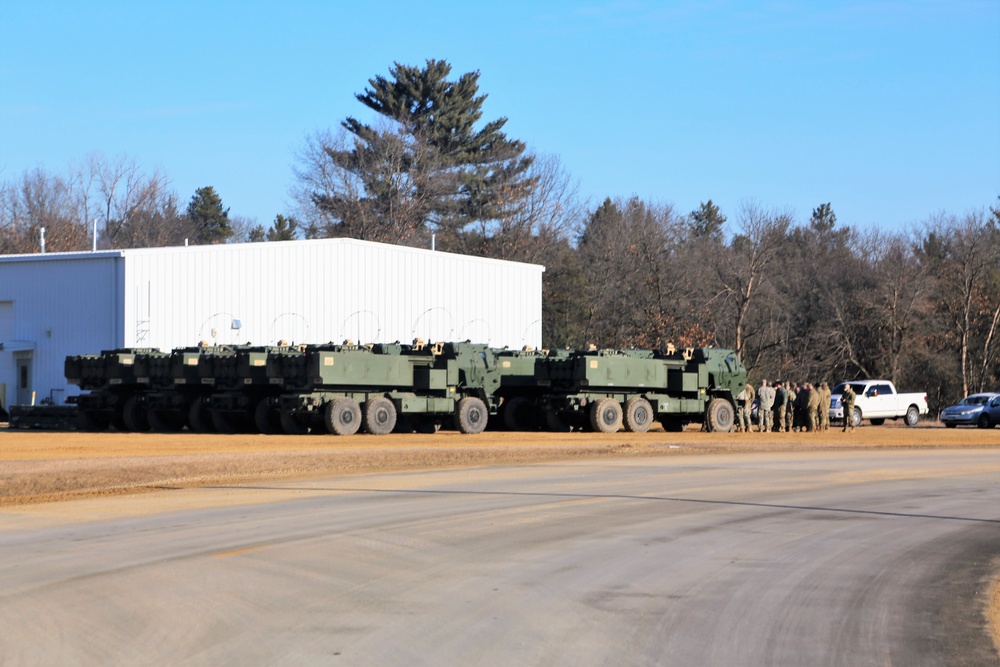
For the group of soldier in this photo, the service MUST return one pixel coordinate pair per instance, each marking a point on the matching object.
(786, 407)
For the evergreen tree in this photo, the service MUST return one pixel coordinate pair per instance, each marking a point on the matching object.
(432, 165)
(823, 218)
(208, 218)
(707, 222)
(283, 229)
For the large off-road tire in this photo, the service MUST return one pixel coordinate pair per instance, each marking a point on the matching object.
(638, 415)
(984, 421)
(291, 424)
(266, 417)
(342, 416)
(380, 416)
(721, 416)
(471, 415)
(519, 414)
(912, 416)
(118, 419)
(199, 417)
(164, 421)
(606, 415)
(134, 415)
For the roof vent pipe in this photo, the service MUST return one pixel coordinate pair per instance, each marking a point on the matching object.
(42, 237)
(94, 247)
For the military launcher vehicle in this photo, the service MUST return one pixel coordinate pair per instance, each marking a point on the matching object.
(341, 389)
(115, 380)
(605, 390)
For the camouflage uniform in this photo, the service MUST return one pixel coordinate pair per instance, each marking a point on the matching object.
(765, 404)
(744, 403)
(780, 405)
(847, 400)
(824, 406)
(790, 409)
(812, 404)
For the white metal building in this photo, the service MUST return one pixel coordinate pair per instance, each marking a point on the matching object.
(59, 304)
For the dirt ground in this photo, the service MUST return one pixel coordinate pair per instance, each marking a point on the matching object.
(38, 466)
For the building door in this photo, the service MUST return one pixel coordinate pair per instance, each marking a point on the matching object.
(24, 384)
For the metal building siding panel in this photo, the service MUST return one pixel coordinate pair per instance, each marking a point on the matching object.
(328, 290)
(62, 305)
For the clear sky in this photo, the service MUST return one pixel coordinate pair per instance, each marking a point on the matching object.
(888, 109)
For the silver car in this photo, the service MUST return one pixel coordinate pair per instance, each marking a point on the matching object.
(982, 410)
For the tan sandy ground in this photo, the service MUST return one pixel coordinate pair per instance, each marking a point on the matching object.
(38, 467)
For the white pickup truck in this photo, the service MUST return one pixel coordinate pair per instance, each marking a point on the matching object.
(878, 400)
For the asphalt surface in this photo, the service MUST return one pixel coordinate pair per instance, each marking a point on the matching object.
(861, 558)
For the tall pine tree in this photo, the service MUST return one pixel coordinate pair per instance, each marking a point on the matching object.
(208, 218)
(430, 165)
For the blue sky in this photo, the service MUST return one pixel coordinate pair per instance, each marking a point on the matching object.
(890, 109)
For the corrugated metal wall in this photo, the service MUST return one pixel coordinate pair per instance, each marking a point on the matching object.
(327, 290)
(300, 291)
(61, 305)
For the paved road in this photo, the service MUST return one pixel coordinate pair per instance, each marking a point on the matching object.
(875, 558)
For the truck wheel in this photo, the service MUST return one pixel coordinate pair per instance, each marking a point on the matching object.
(638, 415)
(342, 416)
(265, 418)
(199, 419)
(913, 416)
(721, 416)
(519, 414)
(380, 416)
(134, 415)
(471, 415)
(118, 419)
(606, 415)
(982, 422)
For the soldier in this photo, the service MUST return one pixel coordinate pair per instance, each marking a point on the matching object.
(790, 407)
(812, 404)
(744, 405)
(780, 405)
(824, 406)
(765, 404)
(847, 400)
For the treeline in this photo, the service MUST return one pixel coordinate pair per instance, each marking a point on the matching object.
(808, 301)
